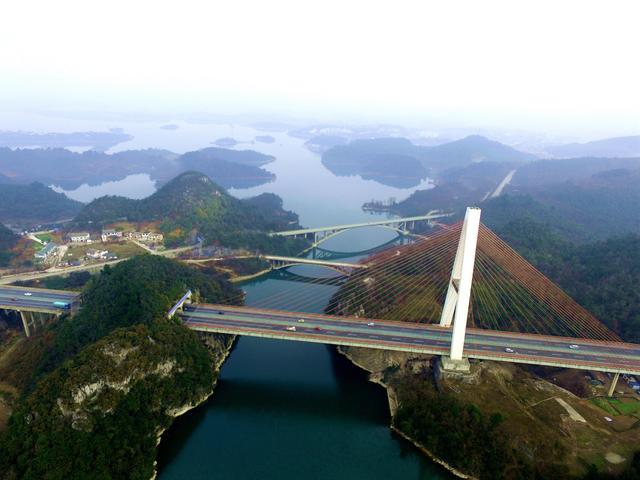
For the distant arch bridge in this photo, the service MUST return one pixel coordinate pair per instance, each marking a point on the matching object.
(402, 225)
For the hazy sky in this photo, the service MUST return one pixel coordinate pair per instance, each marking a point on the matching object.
(519, 63)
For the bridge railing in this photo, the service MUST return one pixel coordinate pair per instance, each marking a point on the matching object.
(179, 304)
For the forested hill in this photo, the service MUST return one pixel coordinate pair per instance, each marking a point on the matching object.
(191, 160)
(35, 203)
(191, 203)
(8, 240)
(592, 209)
(586, 199)
(608, 147)
(472, 149)
(602, 276)
(97, 388)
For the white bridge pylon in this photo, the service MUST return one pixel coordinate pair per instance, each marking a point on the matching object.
(456, 304)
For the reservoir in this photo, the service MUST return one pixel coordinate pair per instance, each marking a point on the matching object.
(289, 410)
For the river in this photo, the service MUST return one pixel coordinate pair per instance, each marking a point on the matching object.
(287, 410)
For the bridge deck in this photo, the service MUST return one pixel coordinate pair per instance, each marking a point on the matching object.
(40, 300)
(303, 231)
(310, 261)
(417, 338)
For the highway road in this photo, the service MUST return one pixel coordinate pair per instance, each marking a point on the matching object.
(61, 271)
(417, 338)
(40, 300)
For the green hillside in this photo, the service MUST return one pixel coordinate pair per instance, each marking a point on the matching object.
(137, 365)
(191, 204)
(8, 240)
(35, 203)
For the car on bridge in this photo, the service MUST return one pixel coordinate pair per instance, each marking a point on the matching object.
(509, 350)
(27, 294)
(291, 329)
(574, 347)
(301, 320)
(371, 324)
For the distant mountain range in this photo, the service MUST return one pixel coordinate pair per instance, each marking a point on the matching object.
(387, 160)
(608, 147)
(230, 168)
(546, 172)
(99, 141)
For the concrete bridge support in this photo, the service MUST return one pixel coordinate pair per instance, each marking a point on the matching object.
(612, 387)
(456, 305)
(30, 320)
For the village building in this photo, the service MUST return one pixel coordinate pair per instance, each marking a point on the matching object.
(151, 237)
(96, 254)
(46, 252)
(110, 235)
(79, 237)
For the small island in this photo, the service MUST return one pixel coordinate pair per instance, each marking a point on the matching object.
(226, 142)
(264, 138)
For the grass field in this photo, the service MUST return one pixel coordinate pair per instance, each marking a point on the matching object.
(121, 249)
(615, 406)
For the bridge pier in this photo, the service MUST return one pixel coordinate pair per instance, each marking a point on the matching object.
(456, 305)
(29, 322)
(612, 387)
(26, 323)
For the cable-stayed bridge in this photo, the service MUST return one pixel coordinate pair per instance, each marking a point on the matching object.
(460, 293)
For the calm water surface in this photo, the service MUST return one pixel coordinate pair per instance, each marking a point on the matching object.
(288, 410)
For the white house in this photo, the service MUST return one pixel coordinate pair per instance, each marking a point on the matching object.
(79, 237)
(47, 251)
(111, 235)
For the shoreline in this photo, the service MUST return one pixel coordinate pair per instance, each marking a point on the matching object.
(251, 276)
(374, 377)
(185, 408)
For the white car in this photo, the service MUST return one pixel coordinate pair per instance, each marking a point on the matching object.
(509, 350)
(574, 347)
(371, 324)
(291, 329)
(27, 294)
(301, 320)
